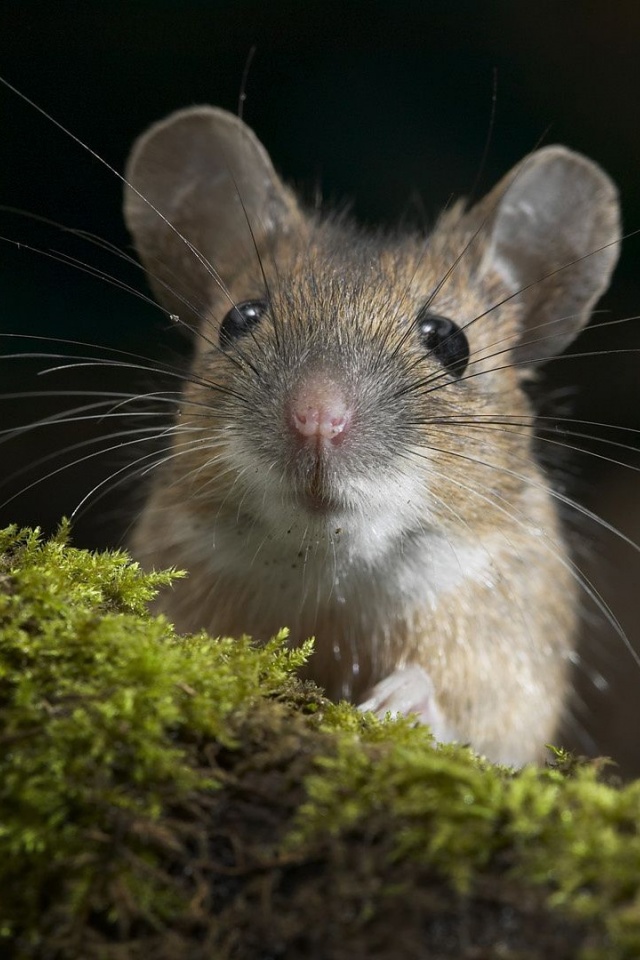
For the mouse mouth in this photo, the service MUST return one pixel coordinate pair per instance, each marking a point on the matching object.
(319, 504)
(317, 494)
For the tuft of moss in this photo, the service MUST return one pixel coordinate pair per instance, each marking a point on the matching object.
(561, 827)
(188, 797)
(102, 711)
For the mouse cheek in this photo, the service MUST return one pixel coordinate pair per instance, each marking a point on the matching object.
(410, 690)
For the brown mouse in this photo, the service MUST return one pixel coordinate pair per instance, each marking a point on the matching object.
(353, 456)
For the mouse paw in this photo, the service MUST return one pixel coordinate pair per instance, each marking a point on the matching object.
(410, 690)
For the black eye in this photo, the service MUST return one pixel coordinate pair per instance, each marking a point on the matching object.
(445, 340)
(240, 320)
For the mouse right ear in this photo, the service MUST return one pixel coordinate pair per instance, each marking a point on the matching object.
(202, 176)
(554, 232)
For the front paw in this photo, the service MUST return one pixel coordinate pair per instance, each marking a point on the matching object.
(410, 690)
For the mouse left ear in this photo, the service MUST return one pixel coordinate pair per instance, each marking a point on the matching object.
(554, 232)
(203, 202)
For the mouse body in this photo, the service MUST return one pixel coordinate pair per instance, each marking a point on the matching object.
(353, 455)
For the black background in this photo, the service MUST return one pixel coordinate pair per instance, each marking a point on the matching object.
(384, 105)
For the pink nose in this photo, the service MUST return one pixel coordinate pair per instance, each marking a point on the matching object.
(319, 411)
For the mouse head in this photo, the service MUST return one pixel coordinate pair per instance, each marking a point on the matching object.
(324, 356)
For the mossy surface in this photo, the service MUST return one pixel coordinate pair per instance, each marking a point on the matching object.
(185, 797)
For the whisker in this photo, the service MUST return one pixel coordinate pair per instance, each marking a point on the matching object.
(82, 361)
(112, 170)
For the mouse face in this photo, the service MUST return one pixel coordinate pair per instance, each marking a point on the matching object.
(353, 454)
(327, 394)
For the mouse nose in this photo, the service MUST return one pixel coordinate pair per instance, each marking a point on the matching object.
(319, 412)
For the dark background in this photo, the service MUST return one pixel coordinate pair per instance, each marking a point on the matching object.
(386, 105)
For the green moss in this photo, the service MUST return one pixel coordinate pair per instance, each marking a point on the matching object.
(100, 706)
(575, 835)
(187, 797)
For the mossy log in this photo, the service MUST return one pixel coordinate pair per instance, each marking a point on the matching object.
(174, 797)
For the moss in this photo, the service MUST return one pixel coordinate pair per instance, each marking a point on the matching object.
(573, 834)
(187, 797)
(102, 708)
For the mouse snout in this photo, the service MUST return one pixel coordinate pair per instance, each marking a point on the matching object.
(318, 412)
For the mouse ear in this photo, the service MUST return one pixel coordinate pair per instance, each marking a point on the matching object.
(554, 228)
(220, 201)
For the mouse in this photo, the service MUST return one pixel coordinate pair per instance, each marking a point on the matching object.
(353, 455)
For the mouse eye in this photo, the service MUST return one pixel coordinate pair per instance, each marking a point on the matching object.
(240, 320)
(445, 340)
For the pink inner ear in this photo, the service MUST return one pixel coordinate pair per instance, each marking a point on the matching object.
(410, 690)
